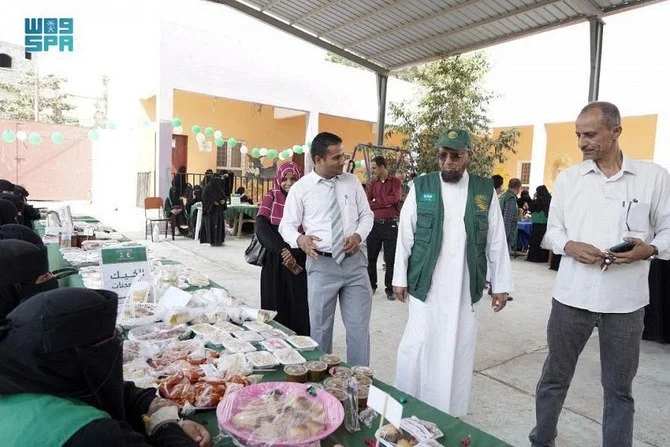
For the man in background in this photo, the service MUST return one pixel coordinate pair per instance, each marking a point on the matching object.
(510, 211)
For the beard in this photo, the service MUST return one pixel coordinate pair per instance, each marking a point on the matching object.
(452, 176)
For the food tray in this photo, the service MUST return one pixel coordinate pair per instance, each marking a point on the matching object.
(159, 332)
(289, 357)
(229, 327)
(205, 330)
(262, 359)
(275, 344)
(302, 342)
(273, 333)
(238, 346)
(257, 326)
(249, 336)
(323, 408)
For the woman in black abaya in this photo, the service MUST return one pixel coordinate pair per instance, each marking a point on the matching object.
(213, 207)
(539, 207)
(8, 212)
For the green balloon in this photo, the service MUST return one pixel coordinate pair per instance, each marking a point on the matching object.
(255, 152)
(195, 129)
(57, 138)
(298, 150)
(309, 145)
(219, 141)
(209, 131)
(295, 147)
(176, 122)
(286, 154)
(93, 135)
(272, 154)
(357, 164)
(232, 142)
(34, 138)
(8, 136)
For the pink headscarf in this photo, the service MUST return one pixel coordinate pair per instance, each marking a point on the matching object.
(272, 205)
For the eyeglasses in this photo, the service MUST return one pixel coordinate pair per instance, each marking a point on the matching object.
(628, 212)
(455, 156)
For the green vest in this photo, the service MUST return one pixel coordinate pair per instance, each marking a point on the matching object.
(41, 420)
(428, 233)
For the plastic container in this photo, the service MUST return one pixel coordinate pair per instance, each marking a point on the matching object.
(341, 371)
(331, 360)
(364, 370)
(296, 373)
(363, 380)
(316, 371)
(363, 392)
(336, 383)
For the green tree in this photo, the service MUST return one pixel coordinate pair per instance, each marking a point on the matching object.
(454, 97)
(54, 104)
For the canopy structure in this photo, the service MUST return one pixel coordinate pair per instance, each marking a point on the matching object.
(385, 35)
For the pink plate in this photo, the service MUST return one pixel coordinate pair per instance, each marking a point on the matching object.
(234, 403)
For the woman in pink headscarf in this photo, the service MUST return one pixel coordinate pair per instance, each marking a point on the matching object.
(283, 279)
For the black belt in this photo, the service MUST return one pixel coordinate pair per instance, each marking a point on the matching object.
(324, 254)
(390, 219)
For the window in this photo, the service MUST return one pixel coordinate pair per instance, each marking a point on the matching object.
(523, 173)
(229, 157)
(29, 55)
(5, 60)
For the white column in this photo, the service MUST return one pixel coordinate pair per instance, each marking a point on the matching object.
(311, 130)
(164, 104)
(538, 156)
(662, 143)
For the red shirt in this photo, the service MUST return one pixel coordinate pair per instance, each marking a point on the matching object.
(384, 197)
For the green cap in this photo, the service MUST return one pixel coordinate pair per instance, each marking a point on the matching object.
(456, 139)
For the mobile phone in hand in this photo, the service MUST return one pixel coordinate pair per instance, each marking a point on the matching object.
(622, 247)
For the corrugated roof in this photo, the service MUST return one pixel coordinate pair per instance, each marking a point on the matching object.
(390, 34)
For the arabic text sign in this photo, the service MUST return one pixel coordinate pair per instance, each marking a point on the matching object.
(120, 266)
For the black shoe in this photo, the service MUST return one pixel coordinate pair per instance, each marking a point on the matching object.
(390, 296)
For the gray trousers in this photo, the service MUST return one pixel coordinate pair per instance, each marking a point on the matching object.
(568, 330)
(326, 281)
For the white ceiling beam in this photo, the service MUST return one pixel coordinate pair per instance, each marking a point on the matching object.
(441, 36)
(413, 23)
(372, 14)
(587, 7)
(315, 11)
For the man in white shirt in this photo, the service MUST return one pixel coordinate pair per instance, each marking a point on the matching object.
(333, 210)
(597, 204)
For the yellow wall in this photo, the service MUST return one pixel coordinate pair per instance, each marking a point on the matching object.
(524, 150)
(253, 123)
(637, 141)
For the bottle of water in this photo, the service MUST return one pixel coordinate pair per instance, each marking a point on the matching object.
(66, 234)
(155, 234)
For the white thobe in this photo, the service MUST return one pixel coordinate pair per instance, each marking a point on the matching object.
(437, 351)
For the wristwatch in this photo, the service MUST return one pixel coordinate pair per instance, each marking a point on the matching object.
(652, 257)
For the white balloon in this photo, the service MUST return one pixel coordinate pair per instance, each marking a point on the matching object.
(218, 134)
(21, 135)
(244, 150)
(178, 130)
(200, 137)
(263, 152)
(281, 156)
(290, 153)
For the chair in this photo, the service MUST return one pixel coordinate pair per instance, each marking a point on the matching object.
(155, 203)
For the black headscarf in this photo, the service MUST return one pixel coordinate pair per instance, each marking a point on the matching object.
(543, 200)
(17, 201)
(207, 178)
(6, 185)
(8, 212)
(21, 191)
(213, 192)
(20, 232)
(64, 343)
(21, 264)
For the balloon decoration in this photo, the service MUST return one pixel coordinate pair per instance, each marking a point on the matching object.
(195, 129)
(34, 138)
(57, 138)
(200, 137)
(358, 163)
(21, 135)
(178, 130)
(8, 136)
(282, 156)
(93, 134)
(176, 122)
(209, 131)
(289, 153)
(219, 141)
(232, 142)
(244, 150)
(272, 154)
(218, 134)
(298, 150)
(263, 152)
(255, 152)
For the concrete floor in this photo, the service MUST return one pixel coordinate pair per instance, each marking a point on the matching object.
(511, 347)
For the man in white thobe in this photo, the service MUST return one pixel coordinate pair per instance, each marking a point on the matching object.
(437, 351)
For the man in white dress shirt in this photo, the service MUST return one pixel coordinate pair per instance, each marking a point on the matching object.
(597, 204)
(333, 210)
(451, 230)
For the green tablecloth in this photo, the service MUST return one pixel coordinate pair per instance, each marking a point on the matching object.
(234, 210)
(453, 428)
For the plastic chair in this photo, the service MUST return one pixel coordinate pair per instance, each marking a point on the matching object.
(155, 203)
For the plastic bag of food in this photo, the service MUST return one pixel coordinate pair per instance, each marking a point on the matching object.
(178, 315)
(351, 406)
(230, 365)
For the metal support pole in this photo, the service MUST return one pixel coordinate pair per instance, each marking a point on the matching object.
(596, 39)
(382, 84)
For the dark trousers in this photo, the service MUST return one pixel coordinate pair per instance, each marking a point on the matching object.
(568, 330)
(384, 231)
